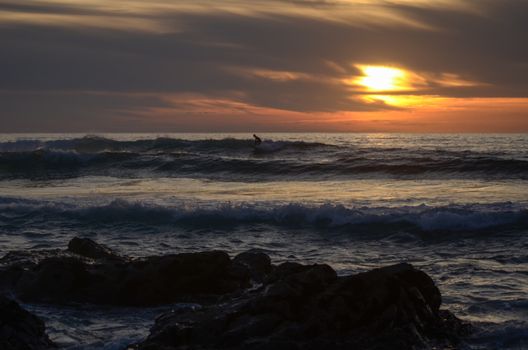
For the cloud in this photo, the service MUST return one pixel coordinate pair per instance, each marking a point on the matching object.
(286, 55)
(51, 111)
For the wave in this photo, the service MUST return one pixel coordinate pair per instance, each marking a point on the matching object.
(94, 144)
(57, 164)
(238, 160)
(452, 218)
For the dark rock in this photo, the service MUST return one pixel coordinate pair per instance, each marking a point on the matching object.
(90, 249)
(53, 279)
(293, 306)
(21, 330)
(257, 264)
(166, 279)
(141, 282)
(286, 269)
(309, 307)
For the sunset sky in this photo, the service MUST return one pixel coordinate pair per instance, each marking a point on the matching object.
(264, 65)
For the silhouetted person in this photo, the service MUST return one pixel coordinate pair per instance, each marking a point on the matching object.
(258, 141)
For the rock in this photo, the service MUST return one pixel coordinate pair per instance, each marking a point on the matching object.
(142, 282)
(420, 280)
(257, 264)
(21, 330)
(292, 306)
(285, 269)
(90, 249)
(310, 307)
(53, 280)
(167, 279)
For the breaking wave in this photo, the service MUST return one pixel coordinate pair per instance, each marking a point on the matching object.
(57, 164)
(452, 218)
(95, 144)
(232, 159)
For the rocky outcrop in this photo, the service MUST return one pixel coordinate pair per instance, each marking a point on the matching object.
(19, 329)
(140, 282)
(247, 302)
(309, 307)
(255, 263)
(90, 249)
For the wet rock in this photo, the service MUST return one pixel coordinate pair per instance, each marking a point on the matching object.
(293, 306)
(53, 279)
(90, 249)
(20, 329)
(141, 282)
(310, 307)
(257, 264)
(172, 278)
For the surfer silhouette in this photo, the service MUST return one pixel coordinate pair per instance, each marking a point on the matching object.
(258, 140)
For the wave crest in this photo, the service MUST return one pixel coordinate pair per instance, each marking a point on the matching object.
(238, 160)
(94, 144)
(453, 218)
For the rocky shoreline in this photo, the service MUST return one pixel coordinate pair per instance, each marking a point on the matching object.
(245, 302)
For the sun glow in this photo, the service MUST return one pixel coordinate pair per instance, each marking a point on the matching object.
(422, 101)
(391, 86)
(380, 78)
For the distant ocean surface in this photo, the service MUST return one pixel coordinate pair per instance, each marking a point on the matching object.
(455, 206)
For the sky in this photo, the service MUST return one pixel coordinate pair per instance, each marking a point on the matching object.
(264, 66)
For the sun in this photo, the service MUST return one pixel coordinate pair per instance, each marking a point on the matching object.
(380, 78)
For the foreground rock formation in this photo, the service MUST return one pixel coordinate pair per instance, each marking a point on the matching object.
(245, 302)
(19, 329)
(99, 277)
(309, 307)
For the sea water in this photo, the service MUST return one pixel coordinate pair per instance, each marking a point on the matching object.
(455, 206)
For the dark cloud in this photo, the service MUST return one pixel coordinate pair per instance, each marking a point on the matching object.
(70, 111)
(212, 54)
(43, 8)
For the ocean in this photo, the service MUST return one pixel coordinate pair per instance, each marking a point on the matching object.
(453, 205)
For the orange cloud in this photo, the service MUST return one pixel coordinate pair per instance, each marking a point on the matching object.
(200, 113)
